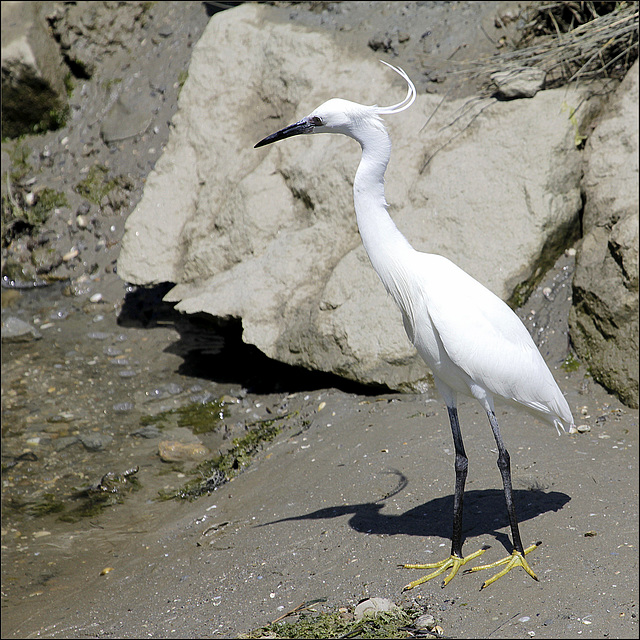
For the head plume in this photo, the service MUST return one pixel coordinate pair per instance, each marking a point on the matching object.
(409, 99)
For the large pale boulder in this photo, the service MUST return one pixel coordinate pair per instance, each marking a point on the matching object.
(269, 235)
(604, 318)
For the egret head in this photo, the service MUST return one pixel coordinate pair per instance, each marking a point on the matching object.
(342, 116)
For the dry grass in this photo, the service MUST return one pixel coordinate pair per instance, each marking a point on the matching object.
(570, 41)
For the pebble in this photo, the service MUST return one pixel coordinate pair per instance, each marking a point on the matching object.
(149, 432)
(95, 441)
(70, 255)
(123, 406)
(96, 297)
(59, 314)
(176, 451)
(583, 428)
(63, 442)
(16, 330)
(98, 335)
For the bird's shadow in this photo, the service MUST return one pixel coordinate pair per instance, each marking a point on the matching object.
(484, 513)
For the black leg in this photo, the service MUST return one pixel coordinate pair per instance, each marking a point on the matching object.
(456, 559)
(461, 465)
(504, 464)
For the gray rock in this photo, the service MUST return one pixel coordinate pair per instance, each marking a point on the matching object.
(604, 318)
(16, 330)
(269, 235)
(149, 431)
(129, 116)
(518, 83)
(95, 441)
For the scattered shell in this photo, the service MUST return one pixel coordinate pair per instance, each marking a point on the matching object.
(70, 255)
(583, 428)
(40, 534)
(590, 534)
(321, 406)
(425, 621)
(96, 297)
(372, 607)
(106, 570)
(438, 631)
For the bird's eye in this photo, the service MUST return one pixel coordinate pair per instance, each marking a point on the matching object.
(315, 121)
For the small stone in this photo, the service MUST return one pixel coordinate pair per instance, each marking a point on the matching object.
(176, 451)
(149, 431)
(523, 82)
(95, 441)
(16, 330)
(96, 297)
(70, 255)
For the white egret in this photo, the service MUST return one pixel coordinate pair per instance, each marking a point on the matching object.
(472, 341)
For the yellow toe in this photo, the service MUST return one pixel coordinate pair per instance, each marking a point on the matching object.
(516, 559)
(453, 562)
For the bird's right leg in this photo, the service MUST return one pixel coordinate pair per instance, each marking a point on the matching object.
(456, 559)
(517, 557)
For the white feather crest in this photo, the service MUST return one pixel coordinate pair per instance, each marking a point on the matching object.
(409, 99)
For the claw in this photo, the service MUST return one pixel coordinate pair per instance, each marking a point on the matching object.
(516, 559)
(453, 562)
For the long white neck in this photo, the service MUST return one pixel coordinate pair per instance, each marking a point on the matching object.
(385, 245)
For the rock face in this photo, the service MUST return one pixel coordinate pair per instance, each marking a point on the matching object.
(33, 91)
(604, 318)
(269, 236)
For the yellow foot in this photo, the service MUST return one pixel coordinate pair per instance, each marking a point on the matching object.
(516, 559)
(453, 562)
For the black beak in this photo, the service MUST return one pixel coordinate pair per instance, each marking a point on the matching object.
(292, 130)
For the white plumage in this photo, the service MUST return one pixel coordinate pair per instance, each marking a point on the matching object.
(471, 340)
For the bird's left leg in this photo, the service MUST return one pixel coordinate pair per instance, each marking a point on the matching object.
(456, 559)
(517, 557)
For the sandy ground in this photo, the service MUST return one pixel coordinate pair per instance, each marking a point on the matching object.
(353, 486)
(331, 510)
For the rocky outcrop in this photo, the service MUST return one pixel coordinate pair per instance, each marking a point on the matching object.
(604, 318)
(34, 97)
(269, 236)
